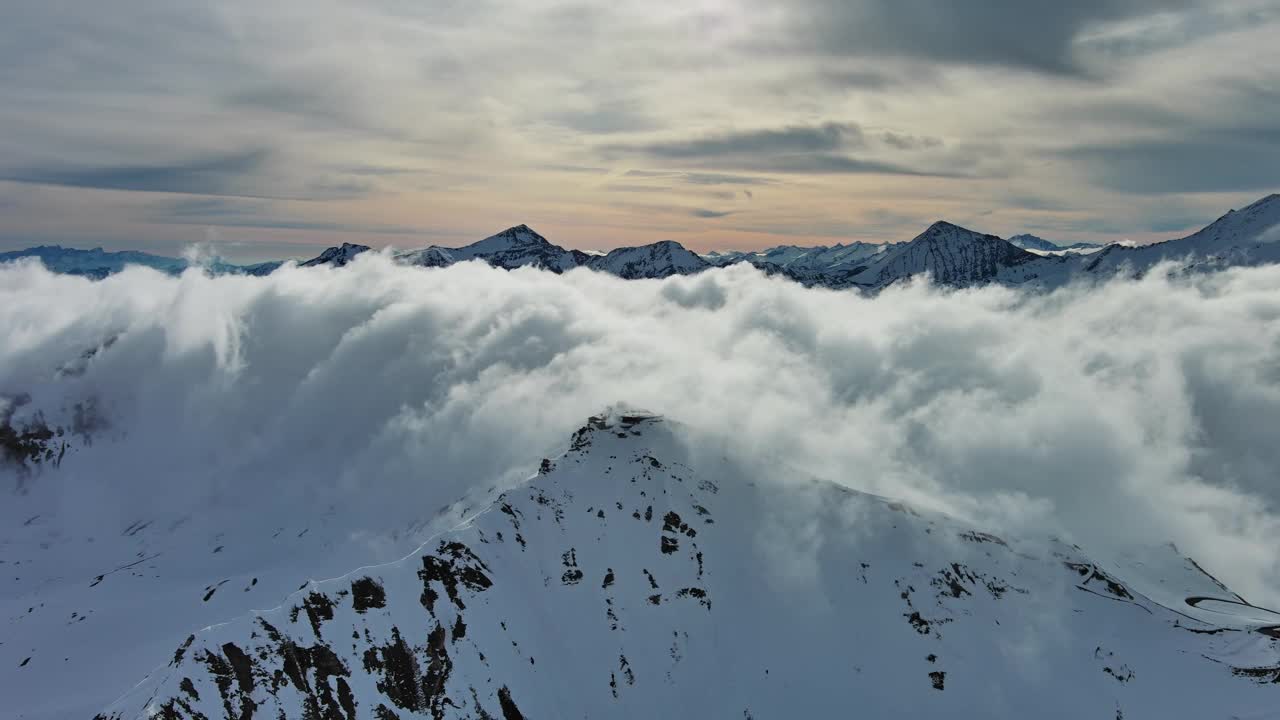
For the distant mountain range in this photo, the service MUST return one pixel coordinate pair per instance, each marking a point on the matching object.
(98, 263)
(952, 255)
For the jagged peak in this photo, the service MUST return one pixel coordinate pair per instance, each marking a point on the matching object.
(667, 245)
(519, 235)
(943, 229)
(336, 255)
(622, 414)
(671, 245)
(618, 418)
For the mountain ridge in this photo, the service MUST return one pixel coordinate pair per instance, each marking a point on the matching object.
(952, 255)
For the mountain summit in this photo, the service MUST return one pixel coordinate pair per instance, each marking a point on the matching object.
(336, 256)
(661, 259)
(513, 237)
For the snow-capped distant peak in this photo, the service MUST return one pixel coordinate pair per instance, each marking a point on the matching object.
(336, 256)
(1040, 246)
(661, 259)
(1253, 223)
(946, 231)
(433, 256)
(513, 237)
(1031, 242)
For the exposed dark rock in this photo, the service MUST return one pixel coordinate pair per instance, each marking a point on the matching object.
(938, 678)
(366, 594)
(453, 564)
(319, 609)
(509, 709)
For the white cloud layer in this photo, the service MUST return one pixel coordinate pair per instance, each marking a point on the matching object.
(1138, 412)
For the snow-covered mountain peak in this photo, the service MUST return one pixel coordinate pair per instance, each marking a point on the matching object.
(1027, 241)
(337, 256)
(943, 231)
(1248, 236)
(624, 418)
(639, 575)
(1254, 223)
(432, 256)
(953, 255)
(1040, 246)
(520, 236)
(658, 260)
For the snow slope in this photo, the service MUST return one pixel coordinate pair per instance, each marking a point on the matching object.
(643, 575)
(89, 607)
(658, 260)
(1032, 243)
(520, 246)
(807, 265)
(1249, 236)
(952, 255)
(1040, 246)
(336, 256)
(514, 247)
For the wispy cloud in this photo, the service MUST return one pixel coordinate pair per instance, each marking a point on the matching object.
(705, 213)
(215, 175)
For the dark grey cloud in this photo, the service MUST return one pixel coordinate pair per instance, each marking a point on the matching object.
(668, 189)
(1031, 201)
(818, 149)
(605, 118)
(794, 139)
(701, 178)
(626, 187)
(723, 179)
(907, 141)
(858, 79)
(224, 174)
(585, 169)
(236, 212)
(831, 164)
(1035, 35)
(208, 207)
(705, 213)
(1206, 163)
(321, 105)
(1178, 29)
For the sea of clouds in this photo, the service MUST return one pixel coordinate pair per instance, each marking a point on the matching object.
(1134, 412)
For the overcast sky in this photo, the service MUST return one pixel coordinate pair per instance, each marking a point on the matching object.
(276, 128)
